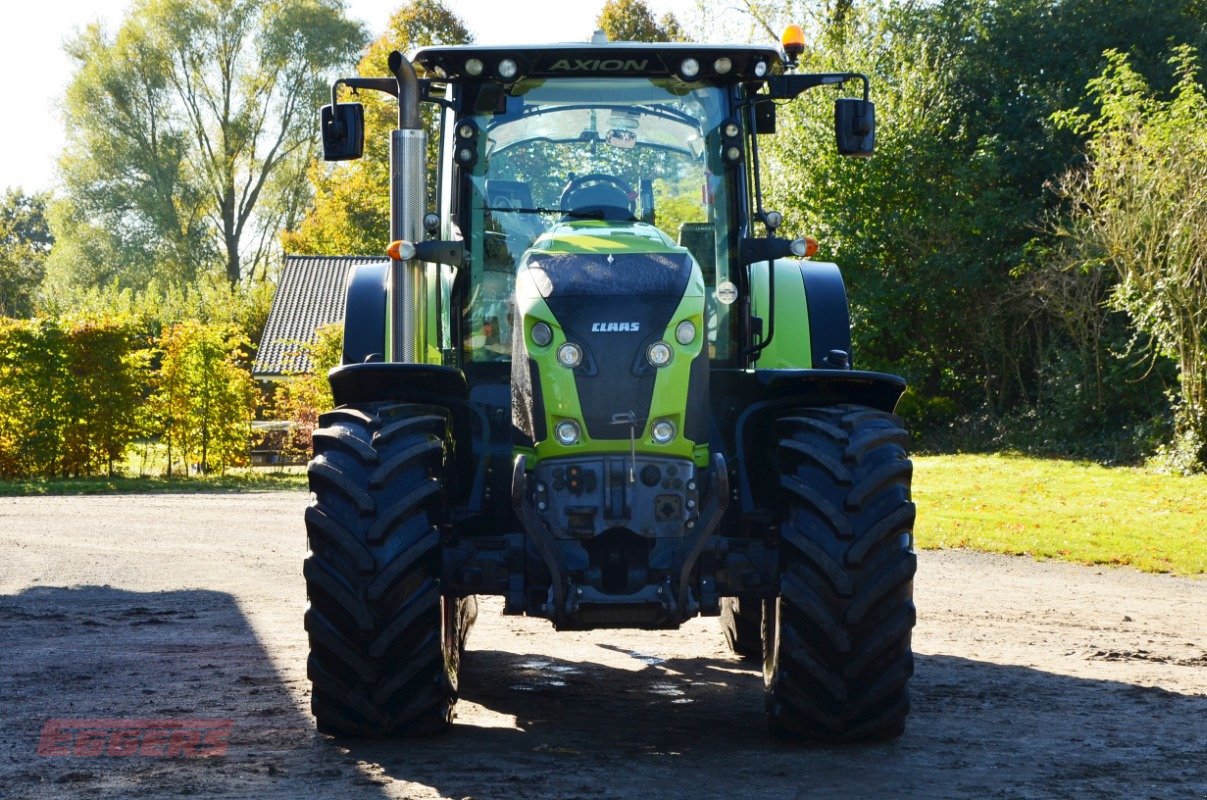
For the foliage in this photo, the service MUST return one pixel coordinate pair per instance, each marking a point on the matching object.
(1067, 510)
(204, 396)
(69, 395)
(302, 396)
(942, 235)
(351, 210)
(189, 131)
(25, 241)
(632, 21)
(1140, 206)
(155, 306)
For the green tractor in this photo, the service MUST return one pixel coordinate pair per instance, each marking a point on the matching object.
(595, 382)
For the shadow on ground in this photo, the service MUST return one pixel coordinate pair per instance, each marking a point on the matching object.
(99, 652)
(549, 727)
(694, 728)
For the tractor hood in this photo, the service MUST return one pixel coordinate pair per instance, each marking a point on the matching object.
(606, 260)
(612, 289)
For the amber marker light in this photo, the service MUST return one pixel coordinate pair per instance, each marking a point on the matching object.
(401, 250)
(793, 40)
(810, 247)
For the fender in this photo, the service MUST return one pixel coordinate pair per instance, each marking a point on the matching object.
(426, 384)
(365, 304)
(761, 394)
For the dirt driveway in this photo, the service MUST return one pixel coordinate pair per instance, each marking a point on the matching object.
(1033, 680)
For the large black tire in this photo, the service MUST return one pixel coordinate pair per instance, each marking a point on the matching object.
(741, 623)
(385, 646)
(836, 645)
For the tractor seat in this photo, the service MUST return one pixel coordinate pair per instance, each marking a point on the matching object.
(600, 201)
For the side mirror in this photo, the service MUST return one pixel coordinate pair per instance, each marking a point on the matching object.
(855, 126)
(343, 128)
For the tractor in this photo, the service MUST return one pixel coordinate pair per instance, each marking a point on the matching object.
(595, 381)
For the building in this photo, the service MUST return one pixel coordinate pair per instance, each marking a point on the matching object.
(310, 294)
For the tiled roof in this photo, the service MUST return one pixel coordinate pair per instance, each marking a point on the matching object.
(309, 294)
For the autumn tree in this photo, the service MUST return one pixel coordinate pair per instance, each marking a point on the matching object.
(189, 131)
(25, 242)
(305, 394)
(632, 21)
(351, 209)
(205, 397)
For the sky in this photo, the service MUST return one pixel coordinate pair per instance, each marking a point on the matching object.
(32, 58)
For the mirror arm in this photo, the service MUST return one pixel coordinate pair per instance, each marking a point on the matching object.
(787, 87)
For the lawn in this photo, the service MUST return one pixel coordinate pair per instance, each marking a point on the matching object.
(1069, 510)
(244, 480)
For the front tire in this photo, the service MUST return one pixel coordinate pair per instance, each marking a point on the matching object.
(385, 646)
(836, 646)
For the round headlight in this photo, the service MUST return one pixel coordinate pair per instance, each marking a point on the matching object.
(473, 67)
(663, 431)
(542, 334)
(774, 219)
(722, 65)
(732, 129)
(465, 155)
(569, 355)
(507, 69)
(659, 354)
(465, 130)
(733, 153)
(685, 332)
(760, 68)
(567, 431)
(689, 68)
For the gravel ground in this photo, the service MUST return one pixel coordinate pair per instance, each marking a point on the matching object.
(1034, 680)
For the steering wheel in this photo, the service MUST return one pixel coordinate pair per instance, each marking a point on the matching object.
(583, 182)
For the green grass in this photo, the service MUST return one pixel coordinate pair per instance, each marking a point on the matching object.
(1068, 510)
(236, 481)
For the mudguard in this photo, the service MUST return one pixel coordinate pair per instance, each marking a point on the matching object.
(762, 394)
(365, 314)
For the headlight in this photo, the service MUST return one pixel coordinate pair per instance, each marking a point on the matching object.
(689, 68)
(663, 431)
(685, 332)
(507, 69)
(473, 67)
(569, 355)
(659, 354)
(722, 66)
(542, 334)
(567, 431)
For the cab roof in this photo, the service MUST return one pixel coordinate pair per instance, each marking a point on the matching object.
(729, 62)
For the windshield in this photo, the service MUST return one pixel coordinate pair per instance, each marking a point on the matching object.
(550, 151)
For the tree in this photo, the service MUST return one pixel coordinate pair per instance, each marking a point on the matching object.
(25, 241)
(1140, 203)
(933, 230)
(189, 132)
(632, 21)
(205, 396)
(303, 396)
(351, 209)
